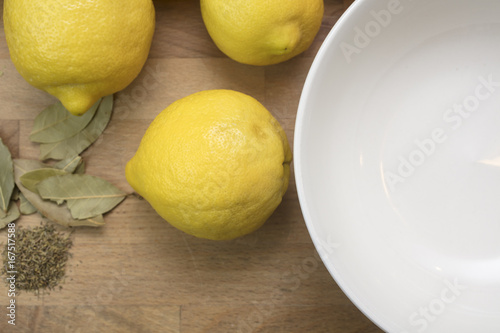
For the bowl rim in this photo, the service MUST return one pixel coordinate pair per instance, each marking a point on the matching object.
(319, 58)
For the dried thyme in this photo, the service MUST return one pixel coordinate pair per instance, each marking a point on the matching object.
(41, 254)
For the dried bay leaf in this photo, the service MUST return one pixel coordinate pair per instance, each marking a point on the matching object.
(55, 123)
(80, 169)
(25, 207)
(55, 213)
(15, 193)
(69, 164)
(85, 195)
(6, 179)
(31, 178)
(96, 220)
(12, 215)
(82, 140)
(21, 166)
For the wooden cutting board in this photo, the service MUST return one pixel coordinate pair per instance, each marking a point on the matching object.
(139, 274)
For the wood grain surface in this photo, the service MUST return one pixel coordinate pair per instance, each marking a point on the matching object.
(138, 273)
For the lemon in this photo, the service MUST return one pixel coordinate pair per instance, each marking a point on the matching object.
(214, 164)
(79, 51)
(262, 32)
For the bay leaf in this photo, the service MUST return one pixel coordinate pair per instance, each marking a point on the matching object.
(21, 166)
(25, 207)
(6, 179)
(85, 195)
(49, 209)
(80, 169)
(55, 123)
(69, 164)
(82, 140)
(15, 193)
(31, 178)
(97, 220)
(12, 215)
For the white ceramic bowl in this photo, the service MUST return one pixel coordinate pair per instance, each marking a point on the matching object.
(397, 162)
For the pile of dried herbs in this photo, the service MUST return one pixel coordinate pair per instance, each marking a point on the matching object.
(60, 192)
(40, 255)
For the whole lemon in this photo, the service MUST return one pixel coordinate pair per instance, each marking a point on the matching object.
(262, 32)
(214, 164)
(79, 51)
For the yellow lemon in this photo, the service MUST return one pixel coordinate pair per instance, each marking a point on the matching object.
(262, 32)
(79, 51)
(214, 164)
